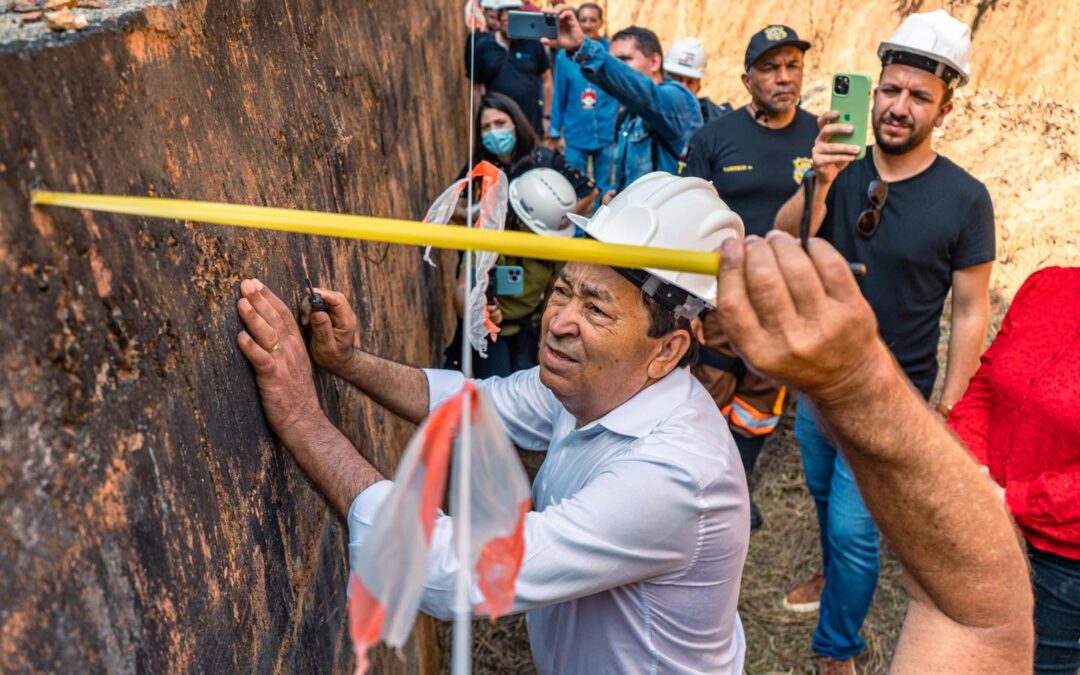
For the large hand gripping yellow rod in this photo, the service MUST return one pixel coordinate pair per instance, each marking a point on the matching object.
(522, 244)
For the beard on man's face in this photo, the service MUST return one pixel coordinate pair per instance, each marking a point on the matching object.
(916, 135)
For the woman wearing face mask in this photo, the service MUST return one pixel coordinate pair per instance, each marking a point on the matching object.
(506, 139)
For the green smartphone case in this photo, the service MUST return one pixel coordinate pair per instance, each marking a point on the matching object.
(851, 97)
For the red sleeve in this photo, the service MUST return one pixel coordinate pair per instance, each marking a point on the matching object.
(1050, 499)
(970, 417)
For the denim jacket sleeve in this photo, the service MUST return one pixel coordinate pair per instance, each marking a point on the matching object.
(559, 97)
(669, 113)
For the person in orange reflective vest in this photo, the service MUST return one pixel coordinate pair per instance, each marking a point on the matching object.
(751, 404)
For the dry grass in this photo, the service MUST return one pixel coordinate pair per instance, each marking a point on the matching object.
(786, 551)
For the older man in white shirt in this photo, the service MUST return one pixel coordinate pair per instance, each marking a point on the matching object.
(634, 554)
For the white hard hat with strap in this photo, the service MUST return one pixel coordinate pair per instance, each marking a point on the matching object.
(666, 211)
(541, 198)
(932, 41)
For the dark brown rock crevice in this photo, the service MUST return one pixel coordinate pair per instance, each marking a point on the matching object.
(148, 521)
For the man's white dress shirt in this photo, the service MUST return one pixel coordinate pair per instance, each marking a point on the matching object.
(635, 549)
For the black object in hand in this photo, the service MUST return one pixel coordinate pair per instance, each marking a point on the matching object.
(317, 304)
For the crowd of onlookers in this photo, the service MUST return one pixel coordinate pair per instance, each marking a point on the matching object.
(572, 126)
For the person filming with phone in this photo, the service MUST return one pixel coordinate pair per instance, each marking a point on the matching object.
(517, 68)
(923, 226)
(659, 114)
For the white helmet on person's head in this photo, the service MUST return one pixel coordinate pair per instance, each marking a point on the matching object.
(541, 198)
(932, 41)
(686, 57)
(500, 4)
(666, 211)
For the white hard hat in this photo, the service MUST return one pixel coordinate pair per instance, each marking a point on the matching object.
(666, 211)
(933, 41)
(500, 4)
(686, 57)
(541, 198)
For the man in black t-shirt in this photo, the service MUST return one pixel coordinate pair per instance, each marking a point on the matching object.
(922, 225)
(754, 157)
(519, 69)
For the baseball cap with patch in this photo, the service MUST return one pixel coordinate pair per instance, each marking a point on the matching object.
(771, 37)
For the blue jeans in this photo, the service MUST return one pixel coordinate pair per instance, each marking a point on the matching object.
(603, 165)
(1057, 612)
(849, 542)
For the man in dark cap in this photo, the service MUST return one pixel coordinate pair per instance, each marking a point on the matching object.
(754, 157)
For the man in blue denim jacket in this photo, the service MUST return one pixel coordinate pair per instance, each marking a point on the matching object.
(583, 115)
(660, 115)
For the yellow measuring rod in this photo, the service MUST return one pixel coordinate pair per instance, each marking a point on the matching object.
(521, 244)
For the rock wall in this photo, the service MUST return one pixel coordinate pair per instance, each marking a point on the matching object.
(1021, 47)
(1016, 127)
(148, 520)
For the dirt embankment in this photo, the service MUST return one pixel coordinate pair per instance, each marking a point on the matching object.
(1016, 127)
(148, 520)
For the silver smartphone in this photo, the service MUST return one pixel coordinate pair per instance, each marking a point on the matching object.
(533, 25)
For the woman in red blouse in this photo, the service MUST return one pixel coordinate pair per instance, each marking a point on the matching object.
(1020, 417)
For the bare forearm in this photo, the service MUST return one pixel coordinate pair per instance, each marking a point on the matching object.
(966, 339)
(401, 389)
(584, 205)
(789, 216)
(330, 461)
(961, 549)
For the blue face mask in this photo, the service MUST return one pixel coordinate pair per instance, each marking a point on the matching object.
(499, 141)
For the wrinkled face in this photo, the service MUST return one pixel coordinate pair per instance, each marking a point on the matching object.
(907, 107)
(491, 18)
(493, 118)
(590, 22)
(627, 51)
(775, 80)
(595, 352)
(690, 83)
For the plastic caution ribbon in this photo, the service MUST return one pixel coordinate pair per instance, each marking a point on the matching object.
(390, 230)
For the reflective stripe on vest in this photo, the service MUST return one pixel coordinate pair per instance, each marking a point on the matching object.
(741, 414)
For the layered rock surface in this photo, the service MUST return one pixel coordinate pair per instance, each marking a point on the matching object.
(148, 520)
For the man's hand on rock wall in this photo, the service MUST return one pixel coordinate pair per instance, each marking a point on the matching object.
(274, 346)
(333, 333)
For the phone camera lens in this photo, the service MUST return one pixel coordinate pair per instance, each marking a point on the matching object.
(549, 19)
(842, 85)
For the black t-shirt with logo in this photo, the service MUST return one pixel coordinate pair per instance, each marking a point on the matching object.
(754, 168)
(933, 224)
(515, 72)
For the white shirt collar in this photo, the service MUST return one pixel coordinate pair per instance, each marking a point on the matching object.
(640, 414)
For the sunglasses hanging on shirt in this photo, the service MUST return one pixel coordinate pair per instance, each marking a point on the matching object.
(877, 193)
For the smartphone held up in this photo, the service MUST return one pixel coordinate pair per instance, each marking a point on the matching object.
(851, 98)
(533, 25)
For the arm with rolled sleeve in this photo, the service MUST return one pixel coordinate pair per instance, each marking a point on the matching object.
(619, 529)
(663, 109)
